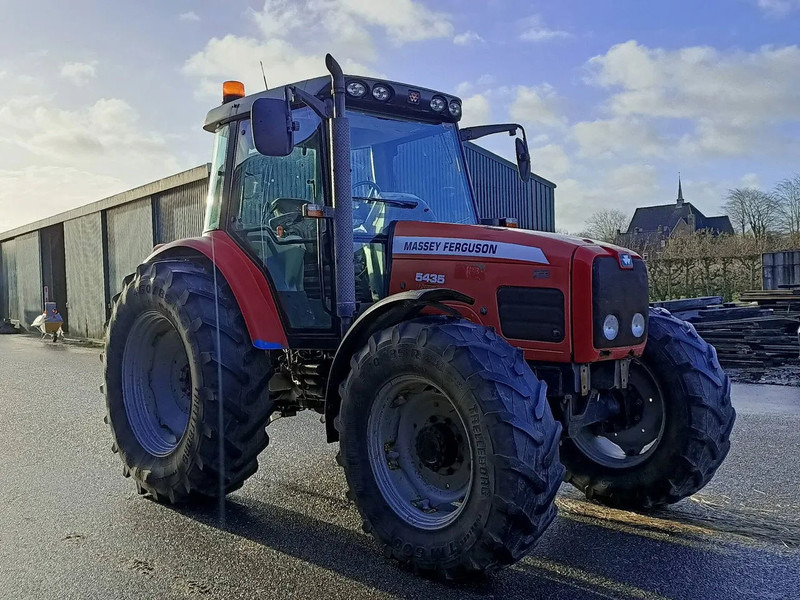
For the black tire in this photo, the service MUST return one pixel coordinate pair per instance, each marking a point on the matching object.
(182, 292)
(698, 420)
(511, 499)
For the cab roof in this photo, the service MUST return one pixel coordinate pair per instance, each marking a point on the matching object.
(404, 100)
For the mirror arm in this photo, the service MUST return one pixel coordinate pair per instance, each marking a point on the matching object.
(323, 109)
(473, 133)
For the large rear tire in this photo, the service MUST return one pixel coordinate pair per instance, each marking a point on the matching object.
(449, 447)
(176, 437)
(679, 374)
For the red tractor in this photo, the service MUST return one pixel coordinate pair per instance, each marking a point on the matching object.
(460, 364)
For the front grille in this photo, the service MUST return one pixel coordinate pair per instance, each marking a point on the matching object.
(531, 313)
(622, 293)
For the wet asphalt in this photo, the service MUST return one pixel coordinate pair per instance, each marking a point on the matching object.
(72, 527)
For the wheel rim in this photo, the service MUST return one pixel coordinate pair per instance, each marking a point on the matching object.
(419, 452)
(156, 384)
(632, 437)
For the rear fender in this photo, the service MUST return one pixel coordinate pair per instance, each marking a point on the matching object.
(385, 313)
(247, 282)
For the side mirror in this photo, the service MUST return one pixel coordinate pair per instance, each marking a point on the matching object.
(523, 159)
(272, 127)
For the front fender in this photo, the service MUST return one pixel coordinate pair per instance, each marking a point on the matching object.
(248, 284)
(385, 313)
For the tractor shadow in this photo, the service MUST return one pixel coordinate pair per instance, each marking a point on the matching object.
(579, 557)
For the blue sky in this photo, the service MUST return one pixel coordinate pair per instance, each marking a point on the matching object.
(617, 97)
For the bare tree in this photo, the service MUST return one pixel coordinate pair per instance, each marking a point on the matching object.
(753, 210)
(787, 194)
(606, 224)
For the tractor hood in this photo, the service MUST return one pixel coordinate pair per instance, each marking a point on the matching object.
(542, 291)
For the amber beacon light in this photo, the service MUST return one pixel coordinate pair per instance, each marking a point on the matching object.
(232, 90)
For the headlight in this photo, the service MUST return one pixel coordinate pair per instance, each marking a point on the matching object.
(455, 109)
(356, 89)
(610, 327)
(637, 325)
(381, 92)
(438, 103)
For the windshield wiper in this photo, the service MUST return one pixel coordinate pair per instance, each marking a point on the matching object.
(390, 201)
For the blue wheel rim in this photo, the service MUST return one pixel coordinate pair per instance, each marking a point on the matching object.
(156, 384)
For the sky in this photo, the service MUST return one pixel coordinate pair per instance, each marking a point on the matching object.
(617, 97)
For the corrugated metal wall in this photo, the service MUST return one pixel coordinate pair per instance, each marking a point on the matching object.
(83, 244)
(29, 278)
(780, 268)
(129, 229)
(501, 193)
(8, 256)
(179, 212)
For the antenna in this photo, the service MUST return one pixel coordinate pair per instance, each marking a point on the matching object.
(266, 87)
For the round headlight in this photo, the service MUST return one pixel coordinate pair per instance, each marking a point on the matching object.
(381, 92)
(455, 108)
(438, 103)
(356, 89)
(610, 327)
(637, 325)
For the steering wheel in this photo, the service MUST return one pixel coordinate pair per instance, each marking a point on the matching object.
(372, 212)
(373, 187)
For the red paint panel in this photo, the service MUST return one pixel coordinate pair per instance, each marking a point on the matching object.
(582, 306)
(568, 268)
(250, 288)
(480, 277)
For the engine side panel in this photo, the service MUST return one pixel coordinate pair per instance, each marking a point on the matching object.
(481, 261)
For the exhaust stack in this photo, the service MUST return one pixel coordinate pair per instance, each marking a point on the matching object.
(342, 199)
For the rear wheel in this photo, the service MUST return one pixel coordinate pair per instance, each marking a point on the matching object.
(449, 446)
(672, 431)
(176, 437)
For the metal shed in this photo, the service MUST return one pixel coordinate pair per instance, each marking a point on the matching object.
(500, 192)
(82, 255)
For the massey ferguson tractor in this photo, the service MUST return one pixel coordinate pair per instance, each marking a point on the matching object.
(465, 366)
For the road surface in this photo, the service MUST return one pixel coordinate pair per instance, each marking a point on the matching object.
(72, 527)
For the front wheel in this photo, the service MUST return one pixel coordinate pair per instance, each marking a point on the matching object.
(449, 447)
(673, 430)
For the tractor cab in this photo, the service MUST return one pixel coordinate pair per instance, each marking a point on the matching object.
(406, 163)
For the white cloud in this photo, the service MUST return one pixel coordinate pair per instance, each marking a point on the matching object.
(605, 138)
(778, 8)
(467, 38)
(624, 188)
(750, 180)
(476, 110)
(79, 73)
(295, 35)
(536, 31)
(538, 105)
(51, 190)
(189, 16)
(550, 161)
(731, 101)
(105, 138)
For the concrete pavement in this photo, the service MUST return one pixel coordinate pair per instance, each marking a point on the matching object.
(72, 527)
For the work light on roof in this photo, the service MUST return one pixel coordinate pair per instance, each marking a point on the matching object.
(381, 92)
(438, 103)
(356, 89)
(455, 108)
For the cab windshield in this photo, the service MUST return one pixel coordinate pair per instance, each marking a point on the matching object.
(406, 170)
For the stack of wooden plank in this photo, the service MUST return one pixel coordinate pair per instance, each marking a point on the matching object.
(754, 336)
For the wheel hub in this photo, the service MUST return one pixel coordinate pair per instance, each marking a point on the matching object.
(630, 436)
(438, 445)
(419, 453)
